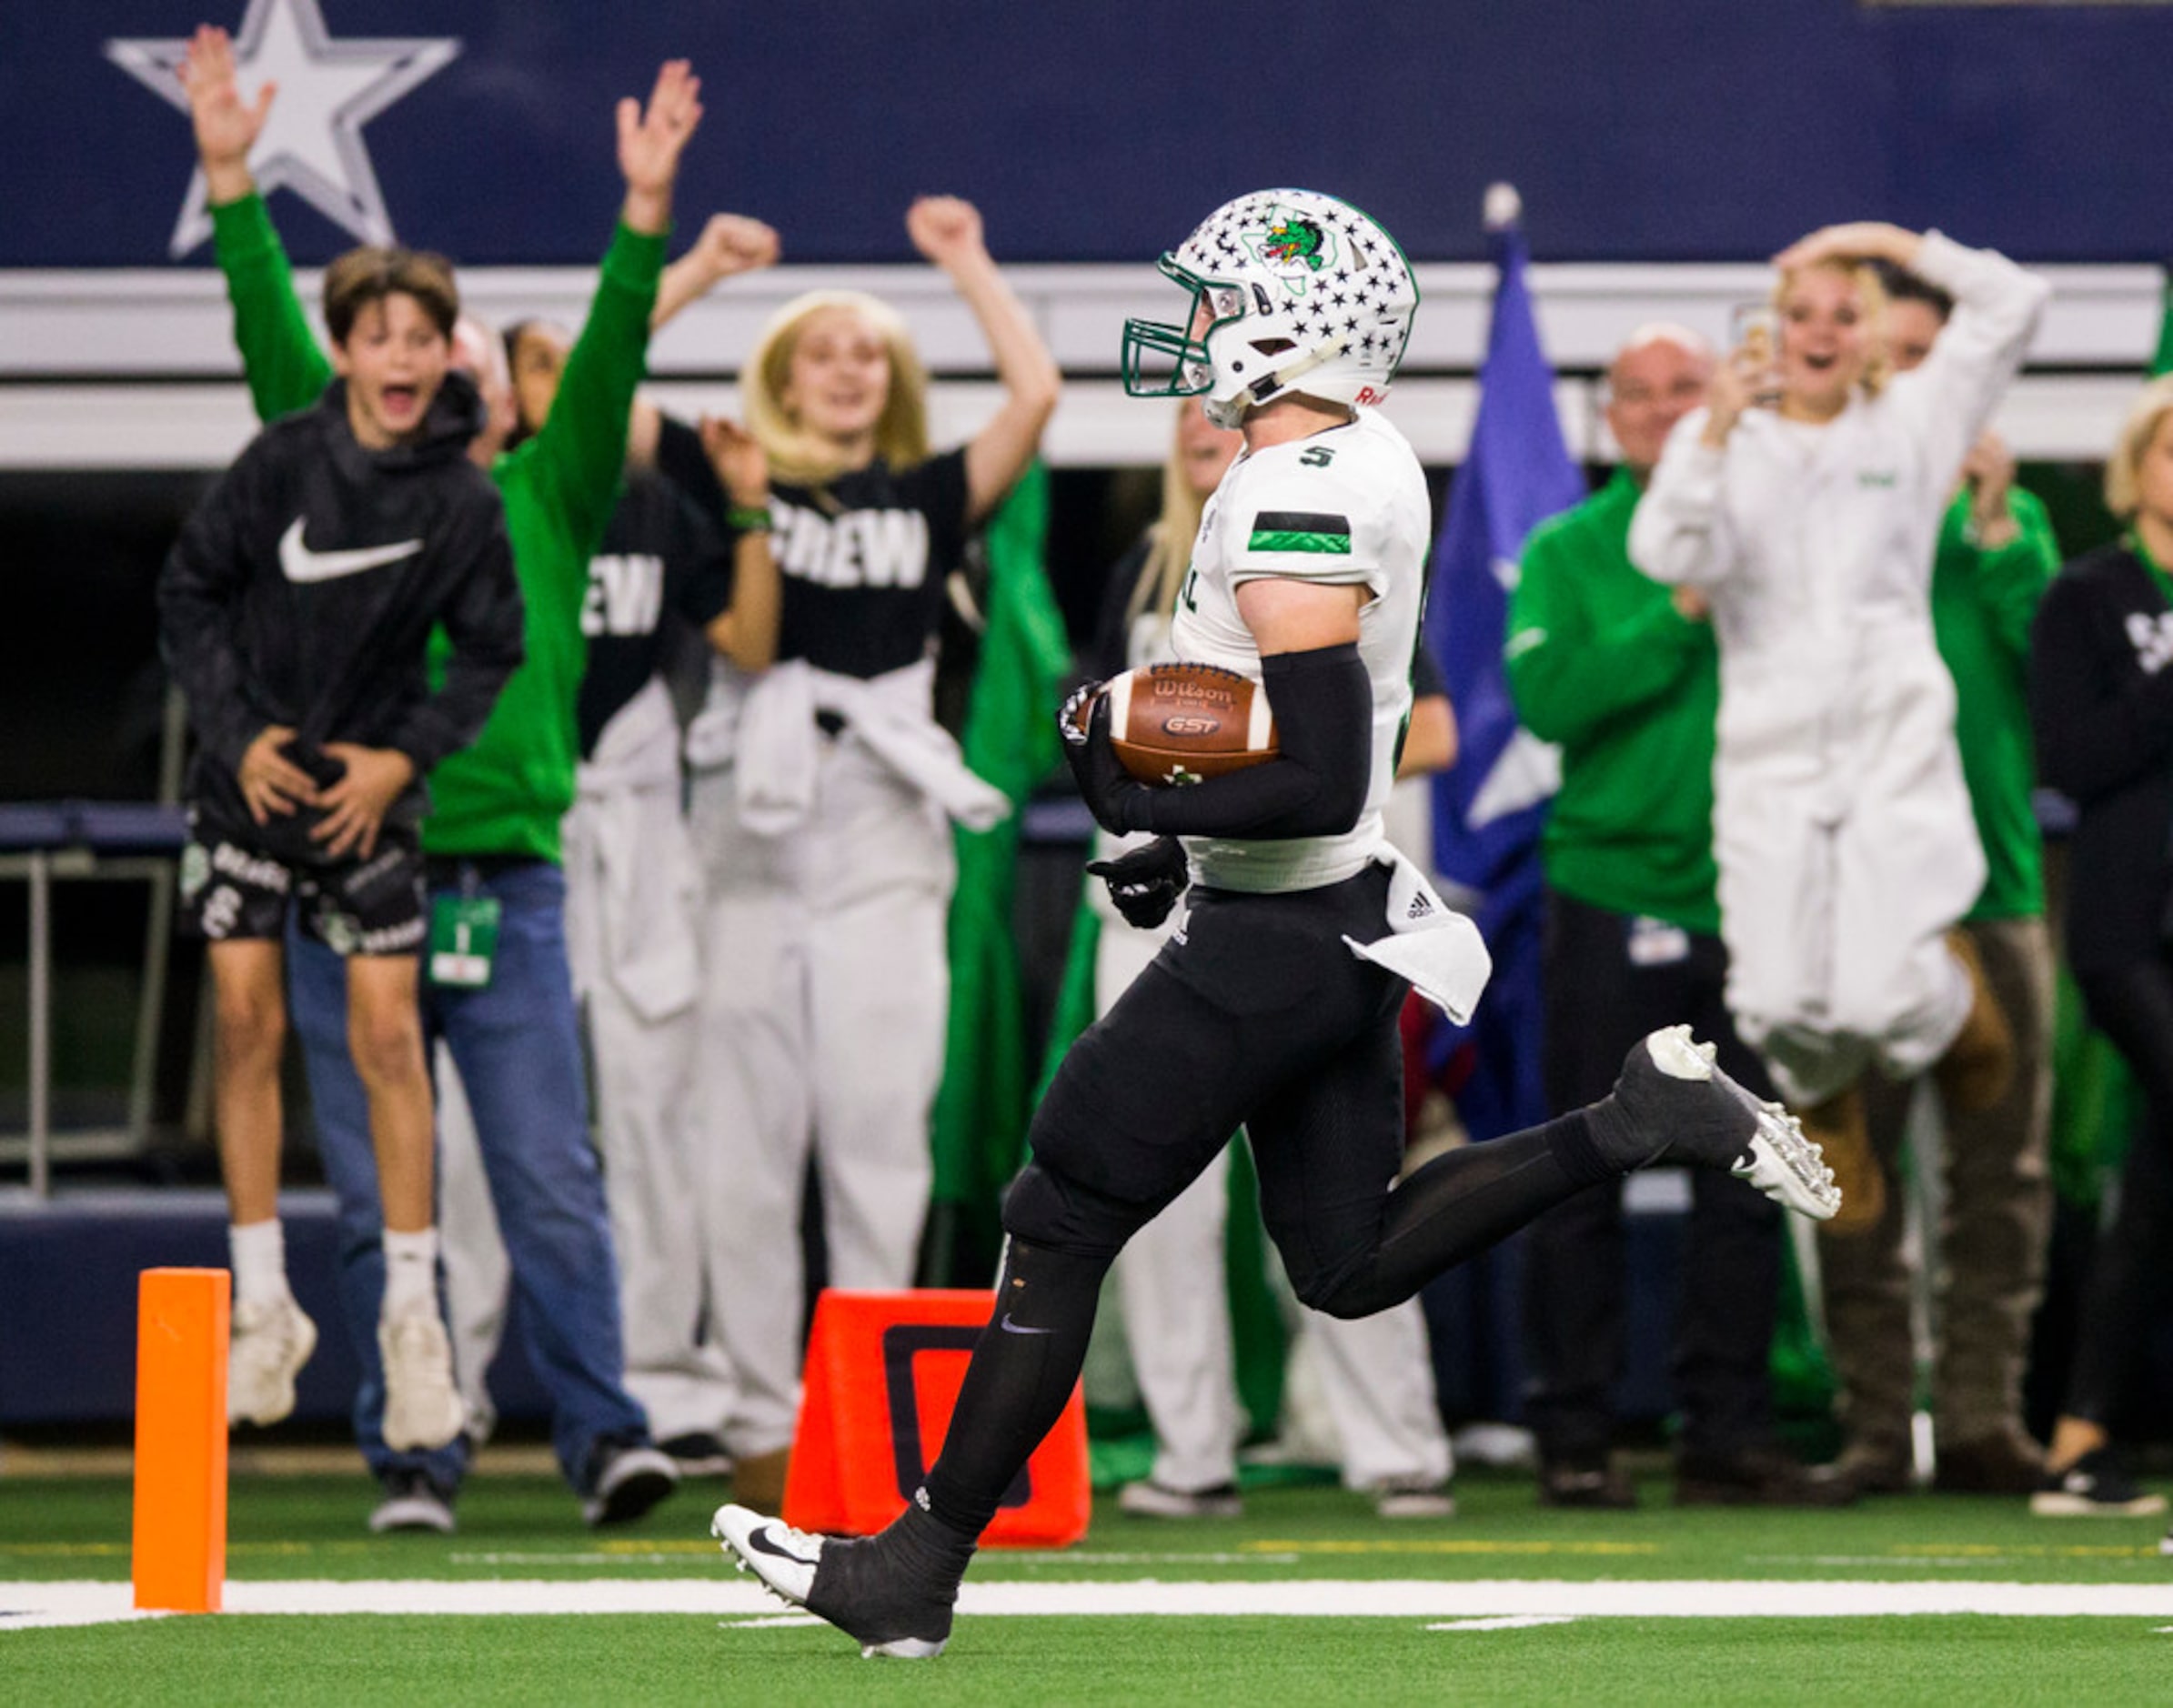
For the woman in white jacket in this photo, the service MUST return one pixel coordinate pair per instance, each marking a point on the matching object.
(1841, 823)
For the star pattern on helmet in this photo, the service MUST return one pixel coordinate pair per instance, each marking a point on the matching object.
(1355, 308)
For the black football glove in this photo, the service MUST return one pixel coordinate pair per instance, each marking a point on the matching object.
(1146, 882)
(1109, 790)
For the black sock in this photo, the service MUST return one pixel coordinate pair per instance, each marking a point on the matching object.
(1470, 1198)
(1024, 1367)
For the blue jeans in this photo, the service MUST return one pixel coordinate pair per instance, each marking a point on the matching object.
(518, 1045)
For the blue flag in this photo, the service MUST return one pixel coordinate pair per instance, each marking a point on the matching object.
(1488, 810)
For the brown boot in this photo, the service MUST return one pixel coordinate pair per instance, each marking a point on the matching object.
(1873, 1467)
(1838, 1128)
(759, 1483)
(2005, 1462)
(1979, 1065)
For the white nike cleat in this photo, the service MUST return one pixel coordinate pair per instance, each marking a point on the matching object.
(1780, 1162)
(867, 1591)
(784, 1559)
(271, 1341)
(423, 1407)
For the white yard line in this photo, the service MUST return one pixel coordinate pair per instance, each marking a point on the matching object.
(34, 1605)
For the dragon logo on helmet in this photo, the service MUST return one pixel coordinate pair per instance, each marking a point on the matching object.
(1292, 237)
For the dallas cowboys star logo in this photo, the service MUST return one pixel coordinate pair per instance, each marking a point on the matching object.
(312, 143)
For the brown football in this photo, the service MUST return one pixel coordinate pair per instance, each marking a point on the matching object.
(1172, 724)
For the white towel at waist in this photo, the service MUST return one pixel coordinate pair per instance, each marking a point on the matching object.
(765, 729)
(1436, 948)
(638, 748)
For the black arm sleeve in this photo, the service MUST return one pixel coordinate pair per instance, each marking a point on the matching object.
(1324, 706)
(2095, 735)
(485, 625)
(199, 596)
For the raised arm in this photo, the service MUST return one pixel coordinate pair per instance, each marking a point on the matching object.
(947, 232)
(1679, 533)
(1950, 397)
(729, 245)
(746, 631)
(578, 454)
(2013, 566)
(280, 357)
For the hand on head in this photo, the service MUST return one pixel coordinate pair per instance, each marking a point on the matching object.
(1859, 240)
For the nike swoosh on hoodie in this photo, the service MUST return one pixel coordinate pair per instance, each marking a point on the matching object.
(300, 564)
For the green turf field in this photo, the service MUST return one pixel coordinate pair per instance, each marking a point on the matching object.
(1503, 1604)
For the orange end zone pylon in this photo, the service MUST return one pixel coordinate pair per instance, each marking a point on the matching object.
(180, 1540)
(883, 1373)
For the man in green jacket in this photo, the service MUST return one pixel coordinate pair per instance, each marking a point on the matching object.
(1622, 674)
(499, 992)
(1995, 555)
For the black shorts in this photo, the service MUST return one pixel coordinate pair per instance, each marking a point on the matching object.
(1257, 1016)
(231, 890)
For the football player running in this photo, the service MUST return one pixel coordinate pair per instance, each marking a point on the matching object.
(1275, 1004)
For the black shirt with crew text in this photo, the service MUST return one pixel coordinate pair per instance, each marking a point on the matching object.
(861, 561)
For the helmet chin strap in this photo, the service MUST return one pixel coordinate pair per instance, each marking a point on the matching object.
(1281, 381)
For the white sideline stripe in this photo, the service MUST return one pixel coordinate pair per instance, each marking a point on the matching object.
(23, 1604)
(1520, 1622)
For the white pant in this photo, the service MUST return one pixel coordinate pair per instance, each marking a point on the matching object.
(823, 1018)
(1376, 1373)
(632, 902)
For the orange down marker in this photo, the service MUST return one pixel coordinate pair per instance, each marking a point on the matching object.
(180, 1542)
(884, 1373)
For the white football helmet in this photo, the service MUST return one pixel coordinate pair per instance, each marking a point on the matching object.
(1292, 291)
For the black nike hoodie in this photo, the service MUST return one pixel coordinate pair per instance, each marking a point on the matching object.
(303, 591)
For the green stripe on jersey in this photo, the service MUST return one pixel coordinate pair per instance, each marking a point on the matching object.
(1264, 540)
(1302, 530)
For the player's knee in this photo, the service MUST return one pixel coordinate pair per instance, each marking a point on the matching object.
(1033, 1208)
(1348, 1295)
(252, 1024)
(1043, 1209)
(386, 1042)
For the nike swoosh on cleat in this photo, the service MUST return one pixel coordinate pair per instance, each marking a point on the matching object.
(300, 564)
(759, 1541)
(1008, 1327)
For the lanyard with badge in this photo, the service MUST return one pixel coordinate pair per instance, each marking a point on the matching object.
(464, 935)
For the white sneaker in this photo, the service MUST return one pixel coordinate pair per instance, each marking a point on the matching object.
(412, 1502)
(271, 1341)
(630, 1478)
(423, 1408)
(1398, 1498)
(1149, 1499)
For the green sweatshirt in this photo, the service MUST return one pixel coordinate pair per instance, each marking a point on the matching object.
(1600, 663)
(1983, 603)
(505, 795)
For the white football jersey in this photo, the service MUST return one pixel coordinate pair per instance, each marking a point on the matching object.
(1345, 508)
